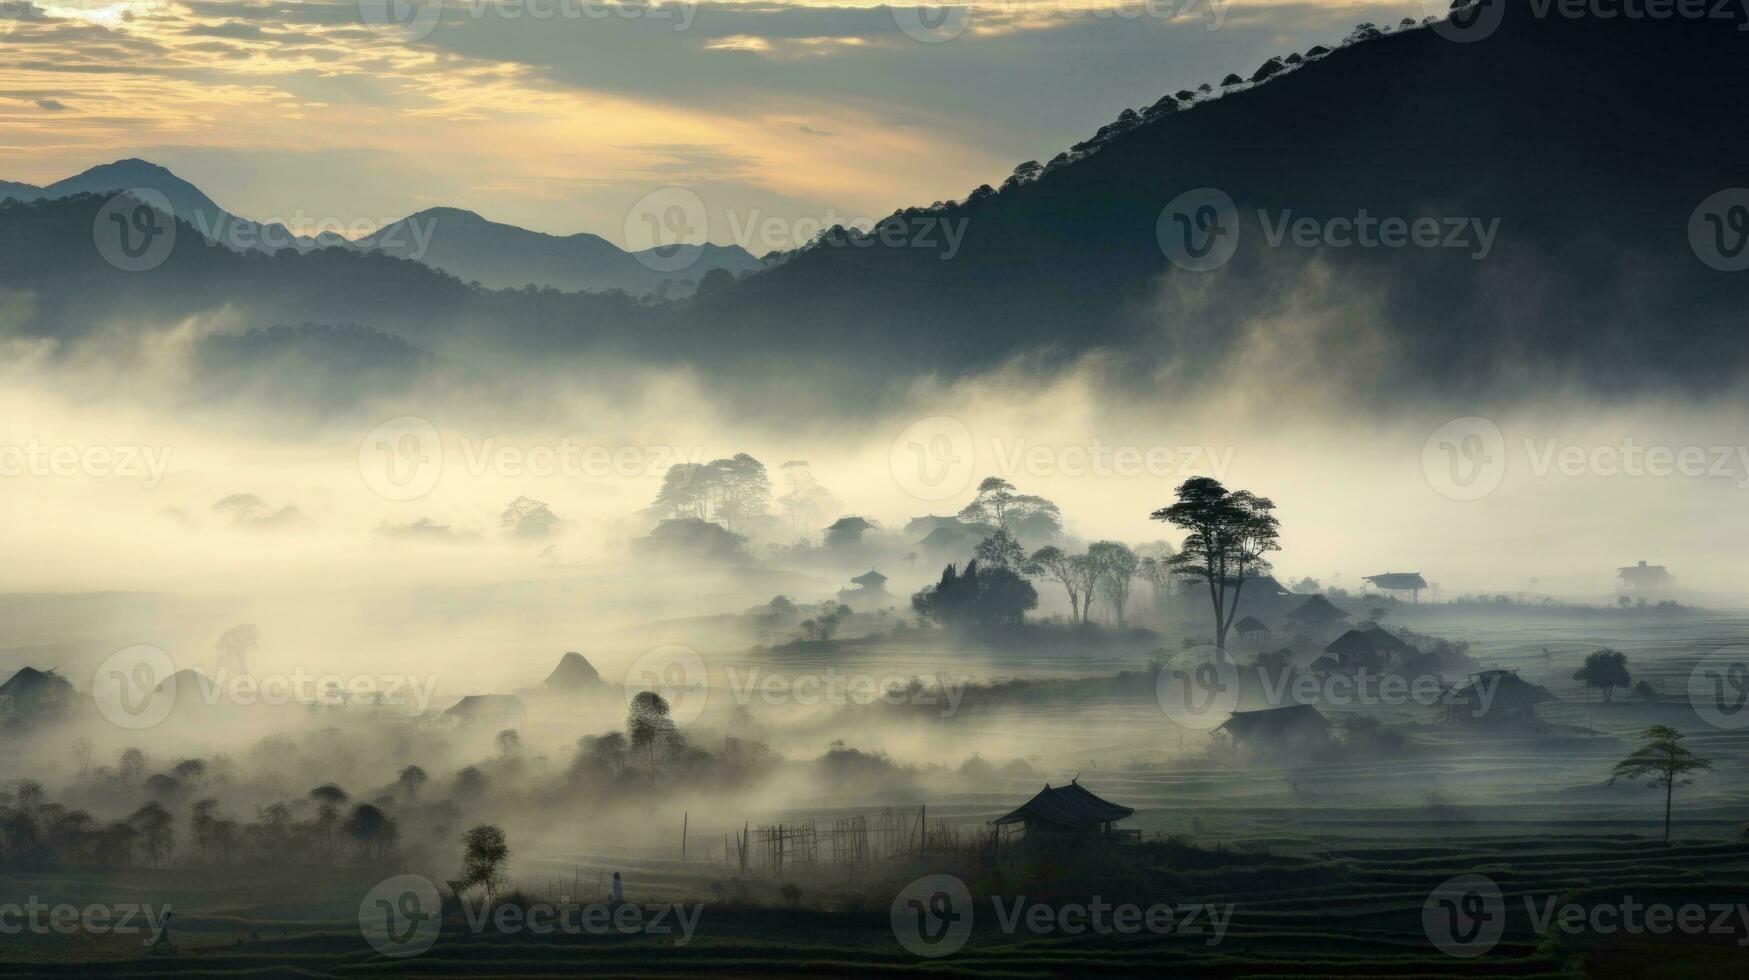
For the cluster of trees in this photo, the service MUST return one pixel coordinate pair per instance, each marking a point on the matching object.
(1106, 570)
(977, 599)
(325, 827)
(731, 492)
(1229, 533)
(652, 748)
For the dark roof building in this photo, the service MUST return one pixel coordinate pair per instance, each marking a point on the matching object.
(1316, 611)
(1410, 582)
(872, 580)
(847, 532)
(1250, 625)
(1373, 649)
(1495, 697)
(1065, 810)
(32, 692)
(1293, 727)
(1645, 578)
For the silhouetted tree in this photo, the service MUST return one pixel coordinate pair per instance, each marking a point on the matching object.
(1605, 670)
(649, 726)
(157, 831)
(410, 779)
(1115, 566)
(370, 829)
(485, 852)
(1664, 758)
(1230, 532)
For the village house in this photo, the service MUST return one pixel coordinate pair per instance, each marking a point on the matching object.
(1063, 815)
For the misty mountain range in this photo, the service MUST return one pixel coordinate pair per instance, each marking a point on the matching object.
(1560, 160)
(462, 243)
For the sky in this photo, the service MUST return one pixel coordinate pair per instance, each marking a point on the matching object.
(561, 115)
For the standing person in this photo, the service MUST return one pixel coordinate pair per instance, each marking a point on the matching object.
(619, 894)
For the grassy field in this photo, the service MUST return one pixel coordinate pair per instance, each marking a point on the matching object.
(1304, 905)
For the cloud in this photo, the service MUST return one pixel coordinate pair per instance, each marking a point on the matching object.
(249, 510)
(425, 529)
(52, 105)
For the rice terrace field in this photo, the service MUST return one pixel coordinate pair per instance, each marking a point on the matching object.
(802, 488)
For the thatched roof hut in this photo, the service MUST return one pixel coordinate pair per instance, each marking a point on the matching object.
(574, 673)
(1494, 698)
(1065, 810)
(1316, 611)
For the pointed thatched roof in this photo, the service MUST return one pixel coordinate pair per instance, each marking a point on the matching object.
(1316, 611)
(1070, 807)
(1250, 624)
(31, 689)
(574, 673)
(486, 708)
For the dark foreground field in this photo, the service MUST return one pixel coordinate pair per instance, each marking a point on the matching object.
(1325, 907)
